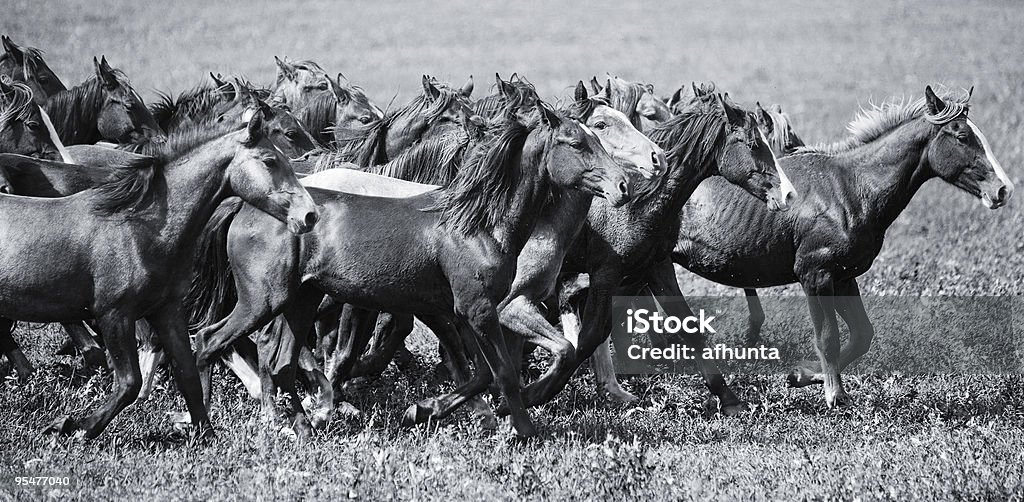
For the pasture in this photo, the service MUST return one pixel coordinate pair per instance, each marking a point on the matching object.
(931, 437)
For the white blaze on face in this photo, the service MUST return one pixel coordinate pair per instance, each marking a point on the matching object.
(785, 186)
(64, 155)
(248, 114)
(996, 166)
(642, 163)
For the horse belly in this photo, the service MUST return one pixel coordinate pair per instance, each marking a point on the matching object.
(381, 258)
(729, 237)
(44, 277)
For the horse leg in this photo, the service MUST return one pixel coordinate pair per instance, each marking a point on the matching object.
(388, 338)
(820, 290)
(119, 337)
(213, 340)
(850, 307)
(319, 404)
(280, 349)
(242, 359)
(523, 317)
(328, 322)
(451, 342)
(10, 348)
(596, 324)
(756, 318)
(351, 344)
(151, 356)
(93, 355)
(169, 325)
(663, 283)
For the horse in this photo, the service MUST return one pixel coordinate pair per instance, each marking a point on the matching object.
(446, 254)
(636, 100)
(116, 253)
(346, 107)
(25, 128)
(850, 192)
(26, 65)
(105, 107)
(626, 249)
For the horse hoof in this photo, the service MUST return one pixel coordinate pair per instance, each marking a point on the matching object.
(415, 414)
(95, 358)
(801, 377)
(839, 400)
(617, 395)
(63, 425)
(735, 409)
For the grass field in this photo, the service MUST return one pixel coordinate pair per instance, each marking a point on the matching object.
(939, 437)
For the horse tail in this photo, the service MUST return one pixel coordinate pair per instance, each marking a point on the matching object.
(211, 296)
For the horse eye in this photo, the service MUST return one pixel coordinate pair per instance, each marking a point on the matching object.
(291, 134)
(600, 125)
(322, 86)
(33, 126)
(365, 119)
(43, 79)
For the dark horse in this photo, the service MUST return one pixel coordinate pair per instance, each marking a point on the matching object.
(447, 253)
(625, 249)
(26, 65)
(115, 253)
(850, 193)
(105, 107)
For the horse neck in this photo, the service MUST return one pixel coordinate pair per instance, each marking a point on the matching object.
(528, 197)
(76, 120)
(402, 132)
(195, 185)
(667, 200)
(887, 173)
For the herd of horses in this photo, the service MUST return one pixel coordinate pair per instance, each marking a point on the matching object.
(294, 232)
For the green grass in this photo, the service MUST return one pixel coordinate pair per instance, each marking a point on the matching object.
(941, 437)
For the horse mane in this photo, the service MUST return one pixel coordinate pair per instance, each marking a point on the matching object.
(130, 186)
(69, 110)
(16, 105)
(779, 138)
(581, 111)
(625, 97)
(202, 103)
(319, 116)
(434, 161)
(694, 137)
(481, 195)
(876, 121)
(495, 105)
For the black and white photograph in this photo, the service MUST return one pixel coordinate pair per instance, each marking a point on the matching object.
(522, 250)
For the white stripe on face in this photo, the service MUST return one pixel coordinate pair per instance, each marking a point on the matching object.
(785, 186)
(996, 166)
(64, 155)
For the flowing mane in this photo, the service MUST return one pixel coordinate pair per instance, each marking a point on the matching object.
(494, 105)
(70, 109)
(434, 161)
(130, 187)
(305, 64)
(872, 123)
(15, 105)
(694, 137)
(781, 138)
(481, 195)
(625, 96)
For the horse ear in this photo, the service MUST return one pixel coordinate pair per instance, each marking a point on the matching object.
(935, 104)
(777, 108)
(254, 131)
(506, 88)
(762, 116)
(467, 88)
(676, 97)
(732, 112)
(342, 79)
(548, 116)
(607, 91)
(264, 108)
(340, 92)
(650, 88)
(218, 80)
(430, 91)
(594, 85)
(12, 48)
(284, 68)
(970, 92)
(5, 84)
(104, 73)
(581, 93)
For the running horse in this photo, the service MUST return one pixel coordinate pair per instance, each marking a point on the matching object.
(850, 193)
(115, 253)
(447, 253)
(103, 108)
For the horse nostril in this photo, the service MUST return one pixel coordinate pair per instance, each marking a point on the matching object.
(624, 188)
(311, 218)
(654, 160)
(1002, 193)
